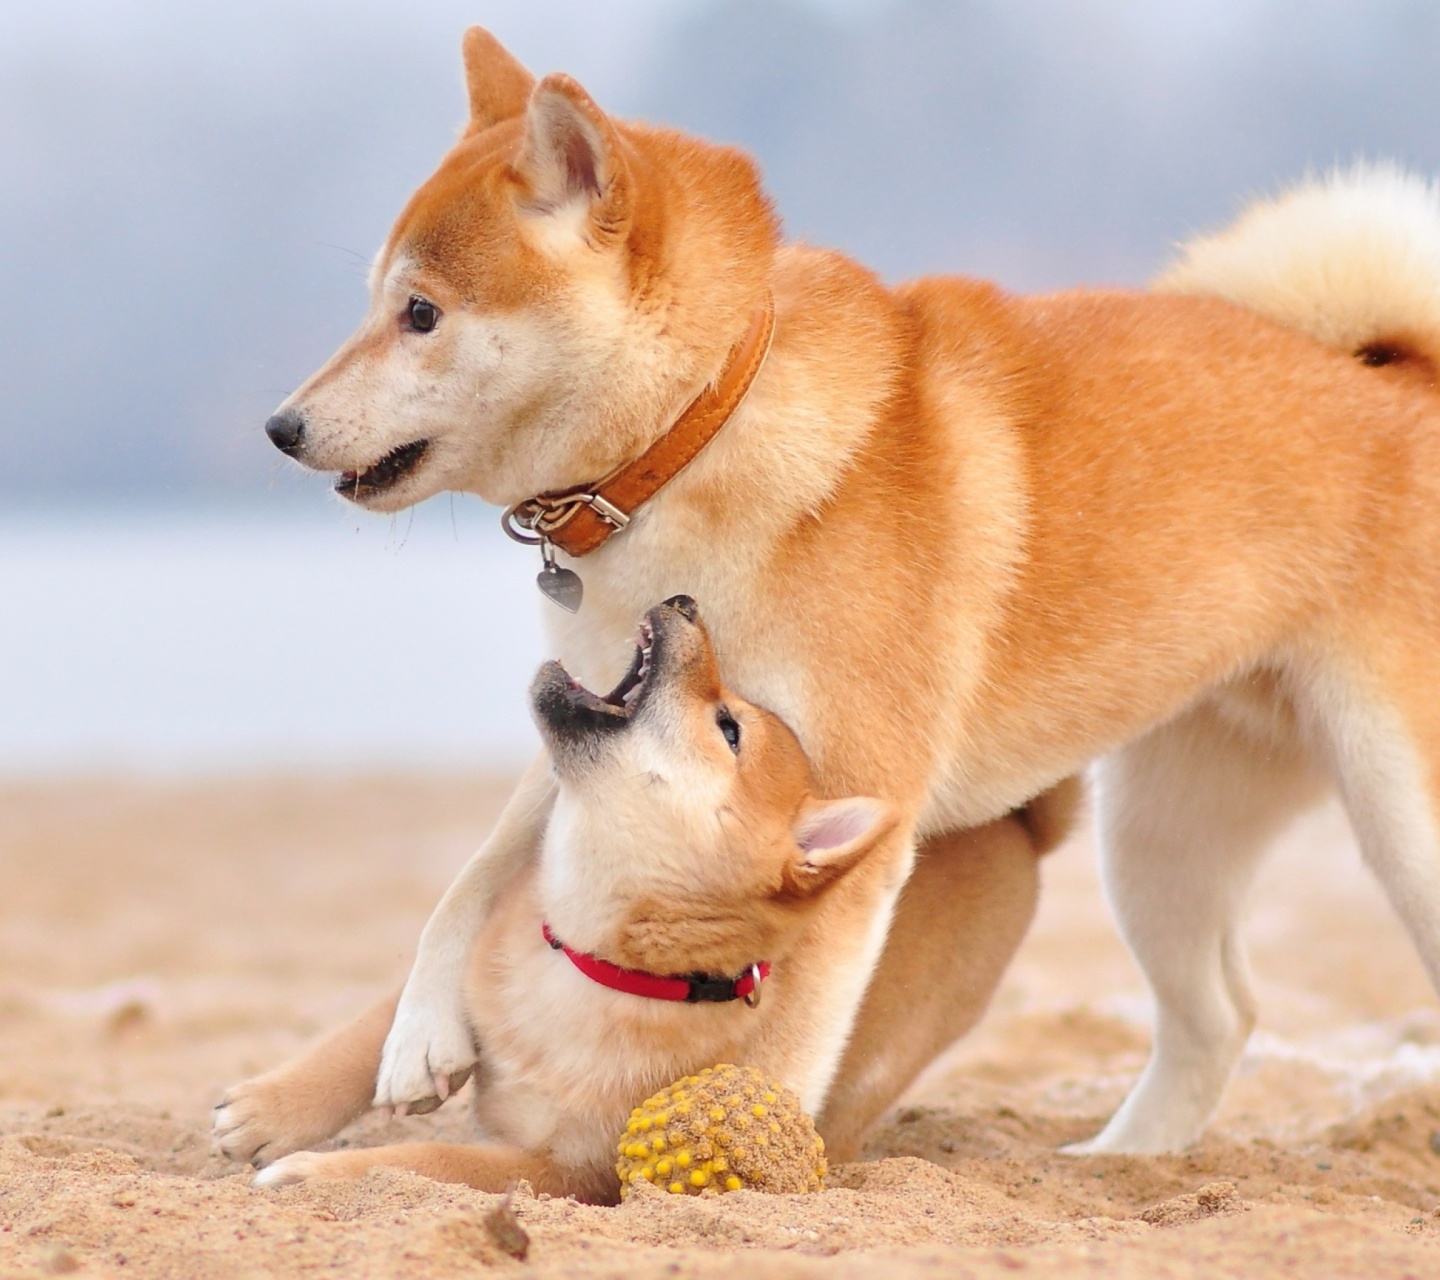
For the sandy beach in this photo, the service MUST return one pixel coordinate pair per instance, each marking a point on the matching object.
(159, 941)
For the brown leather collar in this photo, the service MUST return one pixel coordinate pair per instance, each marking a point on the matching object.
(580, 519)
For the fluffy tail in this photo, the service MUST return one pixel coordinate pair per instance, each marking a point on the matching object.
(1352, 259)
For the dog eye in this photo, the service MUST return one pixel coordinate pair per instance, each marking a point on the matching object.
(422, 315)
(730, 729)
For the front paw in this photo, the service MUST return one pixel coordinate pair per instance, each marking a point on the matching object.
(428, 1055)
(263, 1119)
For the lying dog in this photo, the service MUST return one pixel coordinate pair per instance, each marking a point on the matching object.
(685, 838)
(963, 543)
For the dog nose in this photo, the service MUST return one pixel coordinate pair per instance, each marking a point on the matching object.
(685, 607)
(287, 431)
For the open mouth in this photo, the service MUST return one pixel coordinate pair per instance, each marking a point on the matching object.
(563, 703)
(385, 474)
(621, 700)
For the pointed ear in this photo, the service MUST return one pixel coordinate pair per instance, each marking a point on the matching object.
(498, 85)
(832, 836)
(571, 157)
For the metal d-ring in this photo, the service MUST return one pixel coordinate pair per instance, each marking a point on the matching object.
(752, 997)
(516, 526)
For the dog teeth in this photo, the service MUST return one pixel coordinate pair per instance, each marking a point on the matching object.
(634, 691)
(644, 670)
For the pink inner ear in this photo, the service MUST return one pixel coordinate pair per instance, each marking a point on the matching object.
(836, 825)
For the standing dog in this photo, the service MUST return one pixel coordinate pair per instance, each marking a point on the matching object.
(963, 543)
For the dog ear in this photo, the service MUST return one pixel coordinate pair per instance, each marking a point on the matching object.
(571, 157)
(498, 85)
(831, 837)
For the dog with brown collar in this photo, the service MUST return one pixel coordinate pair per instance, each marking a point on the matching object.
(964, 543)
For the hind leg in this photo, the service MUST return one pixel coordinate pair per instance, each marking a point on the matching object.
(1185, 814)
(1385, 751)
(485, 1168)
(959, 919)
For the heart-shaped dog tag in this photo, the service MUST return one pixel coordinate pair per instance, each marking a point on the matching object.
(561, 585)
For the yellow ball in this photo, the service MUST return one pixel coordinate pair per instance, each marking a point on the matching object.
(696, 1125)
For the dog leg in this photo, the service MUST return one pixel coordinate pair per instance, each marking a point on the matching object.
(1185, 814)
(309, 1099)
(1051, 816)
(959, 919)
(1386, 757)
(430, 1041)
(495, 1169)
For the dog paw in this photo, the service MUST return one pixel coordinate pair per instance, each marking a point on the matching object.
(321, 1166)
(1116, 1141)
(261, 1120)
(290, 1170)
(428, 1055)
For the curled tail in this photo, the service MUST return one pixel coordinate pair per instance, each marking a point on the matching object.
(1352, 259)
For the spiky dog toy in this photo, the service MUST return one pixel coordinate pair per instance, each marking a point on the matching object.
(724, 1129)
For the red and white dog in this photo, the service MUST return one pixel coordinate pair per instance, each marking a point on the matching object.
(964, 543)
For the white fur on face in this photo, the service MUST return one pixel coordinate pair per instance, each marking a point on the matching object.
(492, 392)
(649, 814)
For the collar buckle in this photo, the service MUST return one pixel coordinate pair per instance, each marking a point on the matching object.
(704, 990)
(538, 519)
(607, 511)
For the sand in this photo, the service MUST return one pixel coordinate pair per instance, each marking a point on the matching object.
(159, 941)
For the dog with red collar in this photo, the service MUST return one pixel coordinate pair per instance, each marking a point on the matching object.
(687, 884)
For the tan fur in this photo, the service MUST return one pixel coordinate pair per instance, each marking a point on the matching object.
(302, 1105)
(963, 542)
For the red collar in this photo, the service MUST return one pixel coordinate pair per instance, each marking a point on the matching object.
(694, 989)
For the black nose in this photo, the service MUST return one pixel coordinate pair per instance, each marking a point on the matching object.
(685, 607)
(287, 431)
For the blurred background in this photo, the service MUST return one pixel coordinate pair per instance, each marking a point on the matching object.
(189, 196)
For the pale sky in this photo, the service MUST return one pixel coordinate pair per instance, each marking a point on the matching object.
(191, 191)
